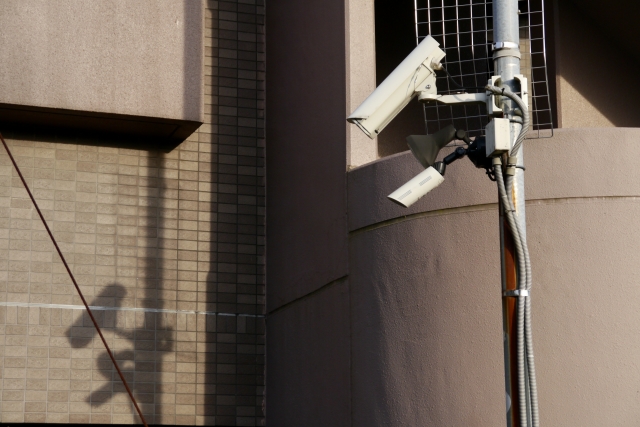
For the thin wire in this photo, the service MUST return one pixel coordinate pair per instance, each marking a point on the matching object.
(546, 75)
(466, 114)
(415, 19)
(64, 261)
(445, 58)
(415, 3)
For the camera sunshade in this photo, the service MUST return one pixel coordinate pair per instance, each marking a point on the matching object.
(425, 148)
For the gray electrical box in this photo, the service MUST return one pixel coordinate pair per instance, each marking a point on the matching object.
(498, 137)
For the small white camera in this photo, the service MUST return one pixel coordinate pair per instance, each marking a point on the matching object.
(417, 187)
(394, 93)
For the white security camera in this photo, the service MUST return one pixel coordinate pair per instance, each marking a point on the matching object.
(414, 75)
(417, 187)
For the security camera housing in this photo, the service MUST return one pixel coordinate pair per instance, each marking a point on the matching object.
(394, 93)
(417, 187)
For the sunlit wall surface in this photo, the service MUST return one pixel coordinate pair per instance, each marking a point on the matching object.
(167, 248)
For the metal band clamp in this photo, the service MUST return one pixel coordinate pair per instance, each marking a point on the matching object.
(506, 52)
(516, 293)
(505, 45)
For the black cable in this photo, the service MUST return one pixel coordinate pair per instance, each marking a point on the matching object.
(454, 83)
(450, 78)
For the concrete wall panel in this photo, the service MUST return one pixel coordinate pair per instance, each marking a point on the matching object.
(309, 361)
(426, 328)
(585, 259)
(306, 154)
(426, 317)
(136, 61)
(425, 289)
(361, 76)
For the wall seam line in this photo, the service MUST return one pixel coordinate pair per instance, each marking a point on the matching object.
(309, 295)
(487, 207)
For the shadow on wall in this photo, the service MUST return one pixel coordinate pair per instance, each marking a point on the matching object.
(596, 75)
(140, 341)
(144, 346)
(147, 342)
(395, 39)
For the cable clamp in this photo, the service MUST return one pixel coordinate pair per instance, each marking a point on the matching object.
(505, 45)
(516, 293)
(506, 52)
(511, 171)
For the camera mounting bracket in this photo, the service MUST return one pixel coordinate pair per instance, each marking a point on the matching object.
(429, 95)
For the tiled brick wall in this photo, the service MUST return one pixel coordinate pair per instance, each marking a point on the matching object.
(168, 246)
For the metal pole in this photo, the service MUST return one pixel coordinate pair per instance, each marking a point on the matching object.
(509, 311)
(506, 41)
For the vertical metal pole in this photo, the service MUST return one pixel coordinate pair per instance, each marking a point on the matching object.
(506, 40)
(509, 311)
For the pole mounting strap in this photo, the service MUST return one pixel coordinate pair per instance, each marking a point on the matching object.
(516, 293)
(505, 45)
(506, 52)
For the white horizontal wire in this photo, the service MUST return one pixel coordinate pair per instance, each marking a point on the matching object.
(134, 309)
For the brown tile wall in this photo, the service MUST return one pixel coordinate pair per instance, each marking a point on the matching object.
(169, 246)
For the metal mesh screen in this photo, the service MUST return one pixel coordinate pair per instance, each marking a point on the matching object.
(464, 29)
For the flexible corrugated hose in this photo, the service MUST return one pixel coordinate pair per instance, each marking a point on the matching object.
(518, 227)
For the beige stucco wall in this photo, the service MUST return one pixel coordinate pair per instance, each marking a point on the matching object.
(129, 68)
(425, 288)
(118, 56)
(360, 75)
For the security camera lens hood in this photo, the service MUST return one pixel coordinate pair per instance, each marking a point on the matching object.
(425, 148)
